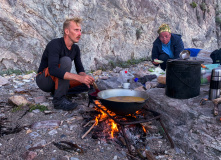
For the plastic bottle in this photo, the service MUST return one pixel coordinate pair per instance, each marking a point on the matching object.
(125, 76)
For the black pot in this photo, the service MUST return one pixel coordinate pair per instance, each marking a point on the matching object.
(122, 108)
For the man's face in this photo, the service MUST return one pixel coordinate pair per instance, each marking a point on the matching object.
(165, 37)
(73, 32)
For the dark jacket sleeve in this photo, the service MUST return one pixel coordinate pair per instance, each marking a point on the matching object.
(176, 45)
(157, 49)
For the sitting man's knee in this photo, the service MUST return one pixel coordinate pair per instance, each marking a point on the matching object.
(66, 62)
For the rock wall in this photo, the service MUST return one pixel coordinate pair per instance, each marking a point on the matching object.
(112, 30)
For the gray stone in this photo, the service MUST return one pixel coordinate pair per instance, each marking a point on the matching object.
(46, 124)
(191, 127)
(3, 81)
(40, 99)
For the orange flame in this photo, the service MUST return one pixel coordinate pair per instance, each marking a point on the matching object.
(103, 115)
(114, 128)
(144, 129)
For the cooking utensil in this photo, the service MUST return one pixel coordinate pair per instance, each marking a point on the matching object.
(93, 94)
(122, 108)
(215, 84)
(185, 54)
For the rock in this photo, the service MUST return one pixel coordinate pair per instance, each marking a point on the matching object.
(40, 143)
(53, 132)
(29, 155)
(139, 89)
(18, 101)
(3, 81)
(73, 158)
(34, 135)
(46, 124)
(29, 76)
(40, 99)
(98, 72)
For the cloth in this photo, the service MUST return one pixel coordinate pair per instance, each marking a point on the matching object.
(193, 51)
(164, 28)
(167, 50)
(55, 50)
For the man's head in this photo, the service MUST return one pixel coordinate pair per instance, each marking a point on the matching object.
(164, 33)
(72, 29)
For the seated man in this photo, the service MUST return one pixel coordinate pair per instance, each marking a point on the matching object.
(167, 46)
(54, 71)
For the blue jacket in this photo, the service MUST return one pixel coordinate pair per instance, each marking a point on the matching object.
(176, 46)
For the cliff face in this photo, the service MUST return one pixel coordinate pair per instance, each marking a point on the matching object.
(112, 30)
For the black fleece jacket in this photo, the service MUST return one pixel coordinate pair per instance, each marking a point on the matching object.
(55, 50)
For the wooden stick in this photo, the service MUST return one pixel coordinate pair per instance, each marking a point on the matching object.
(95, 123)
(132, 156)
(95, 86)
(92, 121)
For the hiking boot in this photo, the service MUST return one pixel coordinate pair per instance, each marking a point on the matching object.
(64, 104)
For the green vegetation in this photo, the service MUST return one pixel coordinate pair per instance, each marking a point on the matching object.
(218, 12)
(14, 71)
(18, 108)
(126, 64)
(42, 108)
(28, 72)
(218, 20)
(193, 4)
(10, 71)
(203, 6)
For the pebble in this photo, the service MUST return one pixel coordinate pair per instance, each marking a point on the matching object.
(40, 143)
(73, 158)
(46, 124)
(115, 157)
(33, 135)
(52, 132)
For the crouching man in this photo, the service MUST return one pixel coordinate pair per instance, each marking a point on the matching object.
(54, 71)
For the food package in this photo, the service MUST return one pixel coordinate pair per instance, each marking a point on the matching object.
(162, 79)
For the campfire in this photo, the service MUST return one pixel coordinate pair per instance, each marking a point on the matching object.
(128, 130)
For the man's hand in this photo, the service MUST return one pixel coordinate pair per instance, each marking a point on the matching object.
(87, 80)
(81, 77)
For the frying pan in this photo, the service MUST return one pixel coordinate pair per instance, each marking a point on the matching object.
(122, 108)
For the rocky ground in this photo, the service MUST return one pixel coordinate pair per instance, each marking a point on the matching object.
(42, 130)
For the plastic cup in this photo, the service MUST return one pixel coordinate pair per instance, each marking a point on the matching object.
(126, 85)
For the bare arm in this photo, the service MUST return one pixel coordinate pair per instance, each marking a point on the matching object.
(81, 77)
